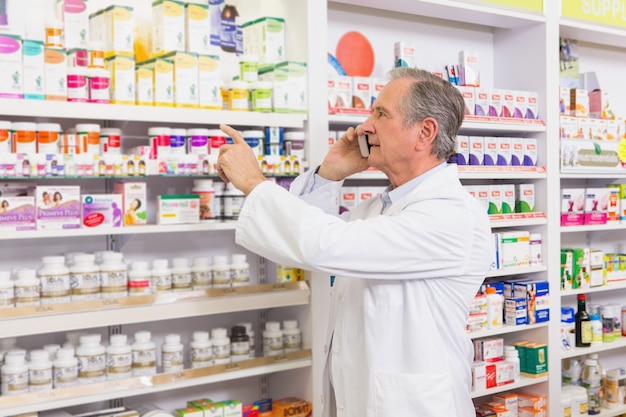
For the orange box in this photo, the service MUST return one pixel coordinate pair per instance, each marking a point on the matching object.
(291, 407)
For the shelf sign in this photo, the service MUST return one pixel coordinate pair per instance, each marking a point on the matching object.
(598, 11)
(534, 5)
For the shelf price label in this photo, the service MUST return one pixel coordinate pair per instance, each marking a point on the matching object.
(604, 12)
(534, 5)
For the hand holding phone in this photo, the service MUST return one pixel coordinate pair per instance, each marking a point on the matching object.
(364, 146)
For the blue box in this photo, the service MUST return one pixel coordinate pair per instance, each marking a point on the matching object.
(537, 294)
(515, 312)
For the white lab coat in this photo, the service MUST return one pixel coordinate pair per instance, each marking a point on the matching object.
(405, 280)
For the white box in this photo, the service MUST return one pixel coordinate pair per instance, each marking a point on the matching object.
(144, 95)
(469, 68)
(11, 73)
(596, 262)
(56, 74)
(119, 31)
(504, 151)
(517, 151)
(348, 197)
(178, 209)
(198, 29)
(490, 150)
(185, 78)
(168, 26)
(209, 83)
(265, 37)
(530, 152)
(496, 100)
(481, 101)
(135, 202)
(403, 54)
(525, 198)
(75, 22)
(476, 150)
(514, 249)
(468, 93)
(34, 70)
(122, 84)
(361, 92)
(508, 198)
(495, 199)
(462, 150)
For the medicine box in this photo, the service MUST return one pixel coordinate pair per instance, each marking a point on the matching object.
(134, 201)
(514, 249)
(74, 14)
(521, 104)
(489, 350)
(291, 407)
(596, 265)
(469, 68)
(143, 85)
(476, 150)
(462, 150)
(495, 199)
(495, 102)
(178, 209)
(504, 151)
(34, 70)
(265, 37)
(567, 269)
(198, 28)
(168, 26)
(122, 85)
(517, 151)
(613, 206)
(580, 267)
(58, 207)
(572, 206)
(596, 205)
(163, 81)
(17, 213)
(361, 92)
(11, 72)
(209, 82)
(403, 54)
(568, 127)
(515, 313)
(490, 150)
(102, 210)
(537, 294)
(468, 93)
(118, 31)
(481, 102)
(185, 78)
(532, 106)
(525, 196)
(508, 198)
(530, 152)
(55, 68)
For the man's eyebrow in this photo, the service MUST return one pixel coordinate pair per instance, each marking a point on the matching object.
(378, 108)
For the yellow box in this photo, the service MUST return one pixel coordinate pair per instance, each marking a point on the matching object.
(119, 31)
(162, 81)
(168, 26)
(144, 94)
(122, 86)
(209, 82)
(291, 407)
(185, 78)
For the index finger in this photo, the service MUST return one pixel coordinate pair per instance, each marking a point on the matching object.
(233, 134)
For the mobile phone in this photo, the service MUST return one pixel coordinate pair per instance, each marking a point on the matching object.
(364, 146)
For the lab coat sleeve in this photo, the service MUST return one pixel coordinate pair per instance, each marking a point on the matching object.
(421, 241)
(325, 196)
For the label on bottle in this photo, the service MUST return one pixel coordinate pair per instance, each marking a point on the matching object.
(172, 361)
(91, 367)
(65, 376)
(586, 336)
(144, 362)
(119, 365)
(201, 357)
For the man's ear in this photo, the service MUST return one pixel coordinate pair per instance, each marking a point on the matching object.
(428, 131)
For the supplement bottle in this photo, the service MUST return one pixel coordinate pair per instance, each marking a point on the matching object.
(221, 346)
(578, 395)
(119, 357)
(592, 382)
(99, 82)
(239, 344)
(55, 280)
(181, 275)
(65, 368)
(7, 290)
(77, 85)
(292, 336)
(85, 278)
(88, 136)
(495, 305)
(198, 141)
(511, 355)
(39, 371)
(48, 138)
(7, 344)
(139, 279)
(54, 33)
(172, 358)
(113, 276)
(27, 288)
(91, 357)
(583, 323)
(272, 339)
(596, 329)
(110, 141)
(201, 273)
(239, 270)
(204, 189)
(232, 201)
(52, 350)
(201, 350)
(251, 338)
(294, 144)
(14, 374)
(161, 276)
(221, 272)
(144, 354)
(177, 141)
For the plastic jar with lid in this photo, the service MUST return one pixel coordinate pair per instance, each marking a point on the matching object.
(119, 357)
(221, 272)
(239, 270)
(95, 54)
(77, 84)
(261, 96)
(254, 139)
(159, 142)
(294, 144)
(24, 137)
(48, 135)
(144, 354)
(110, 141)
(52, 349)
(55, 280)
(292, 336)
(65, 368)
(239, 344)
(238, 96)
(88, 136)
(7, 290)
(251, 339)
(85, 278)
(39, 371)
(113, 276)
(232, 202)
(91, 357)
(181, 274)
(54, 33)
(160, 276)
(178, 141)
(221, 346)
(272, 339)
(596, 329)
(201, 350)
(5, 136)
(204, 189)
(198, 141)
(608, 323)
(201, 273)
(14, 375)
(27, 288)
(578, 396)
(172, 358)
(139, 279)
(217, 138)
(249, 68)
(99, 83)
(512, 356)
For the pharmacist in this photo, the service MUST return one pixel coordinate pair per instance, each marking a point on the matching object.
(407, 263)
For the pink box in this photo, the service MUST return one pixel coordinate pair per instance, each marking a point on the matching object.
(572, 206)
(58, 207)
(17, 213)
(596, 205)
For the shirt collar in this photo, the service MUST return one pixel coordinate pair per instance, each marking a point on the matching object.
(392, 195)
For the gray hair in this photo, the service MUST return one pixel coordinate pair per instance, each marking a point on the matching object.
(431, 96)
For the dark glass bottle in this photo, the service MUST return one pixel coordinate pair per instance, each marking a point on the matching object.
(228, 28)
(583, 323)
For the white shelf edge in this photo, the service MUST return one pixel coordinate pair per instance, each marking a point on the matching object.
(618, 344)
(130, 113)
(605, 412)
(523, 382)
(506, 329)
(593, 175)
(593, 227)
(297, 293)
(103, 231)
(608, 287)
(464, 175)
(588, 32)
(516, 271)
(48, 402)
(518, 222)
